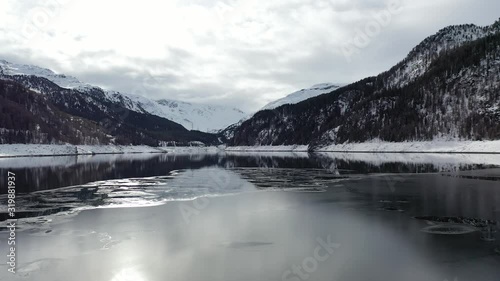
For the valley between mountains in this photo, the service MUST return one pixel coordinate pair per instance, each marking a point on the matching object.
(447, 90)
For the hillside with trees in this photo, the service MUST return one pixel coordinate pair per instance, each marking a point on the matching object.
(447, 88)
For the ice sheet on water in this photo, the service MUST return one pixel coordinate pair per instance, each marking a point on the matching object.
(27, 269)
(298, 180)
(449, 229)
(40, 207)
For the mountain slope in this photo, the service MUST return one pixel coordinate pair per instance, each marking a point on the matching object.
(303, 94)
(27, 117)
(69, 82)
(293, 98)
(451, 93)
(91, 105)
(192, 116)
(206, 118)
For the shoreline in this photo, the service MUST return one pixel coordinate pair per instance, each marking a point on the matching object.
(408, 152)
(78, 154)
(427, 147)
(50, 150)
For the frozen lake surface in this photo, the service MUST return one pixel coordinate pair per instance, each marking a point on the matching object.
(249, 216)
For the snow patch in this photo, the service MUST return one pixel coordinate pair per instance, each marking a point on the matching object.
(418, 147)
(280, 148)
(20, 150)
(303, 94)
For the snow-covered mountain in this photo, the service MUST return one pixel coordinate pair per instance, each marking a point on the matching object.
(193, 116)
(292, 98)
(64, 81)
(420, 58)
(447, 88)
(201, 117)
(303, 94)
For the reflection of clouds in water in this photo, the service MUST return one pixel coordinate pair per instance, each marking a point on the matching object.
(31, 268)
(231, 239)
(128, 274)
(179, 185)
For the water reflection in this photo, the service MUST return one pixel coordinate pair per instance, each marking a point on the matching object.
(262, 217)
(128, 274)
(64, 184)
(43, 173)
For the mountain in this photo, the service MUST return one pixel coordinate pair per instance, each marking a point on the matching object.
(303, 94)
(37, 110)
(63, 81)
(420, 58)
(227, 133)
(27, 117)
(206, 118)
(446, 88)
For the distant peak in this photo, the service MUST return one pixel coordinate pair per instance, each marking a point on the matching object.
(304, 94)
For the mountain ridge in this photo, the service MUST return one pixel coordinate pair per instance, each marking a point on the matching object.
(452, 94)
(303, 94)
(202, 117)
(118, 124)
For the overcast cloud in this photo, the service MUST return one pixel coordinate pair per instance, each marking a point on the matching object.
(241, 53)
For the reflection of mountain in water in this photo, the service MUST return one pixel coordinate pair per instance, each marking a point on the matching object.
(53, 172)
(63, 184)
(44, 173)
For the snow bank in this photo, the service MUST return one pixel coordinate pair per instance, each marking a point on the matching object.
(19, 150)
(115, 149)
(387, 147)
(10, 150)
(417, 147)
(463, 147)
(280, 148)
(191, 150)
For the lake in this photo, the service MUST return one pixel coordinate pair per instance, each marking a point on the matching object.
(254, 216)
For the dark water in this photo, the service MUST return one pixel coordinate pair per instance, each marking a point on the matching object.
(257, 217)
(45, 186)
(44, 173)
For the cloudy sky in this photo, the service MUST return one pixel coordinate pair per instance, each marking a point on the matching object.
(241, 53)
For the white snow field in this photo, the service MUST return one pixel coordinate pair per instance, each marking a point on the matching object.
(20, 150)
(389, 147)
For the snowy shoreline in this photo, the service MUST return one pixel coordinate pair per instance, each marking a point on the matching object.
(452, 147)
(278, 148)
(436, 147)
(47, 150)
